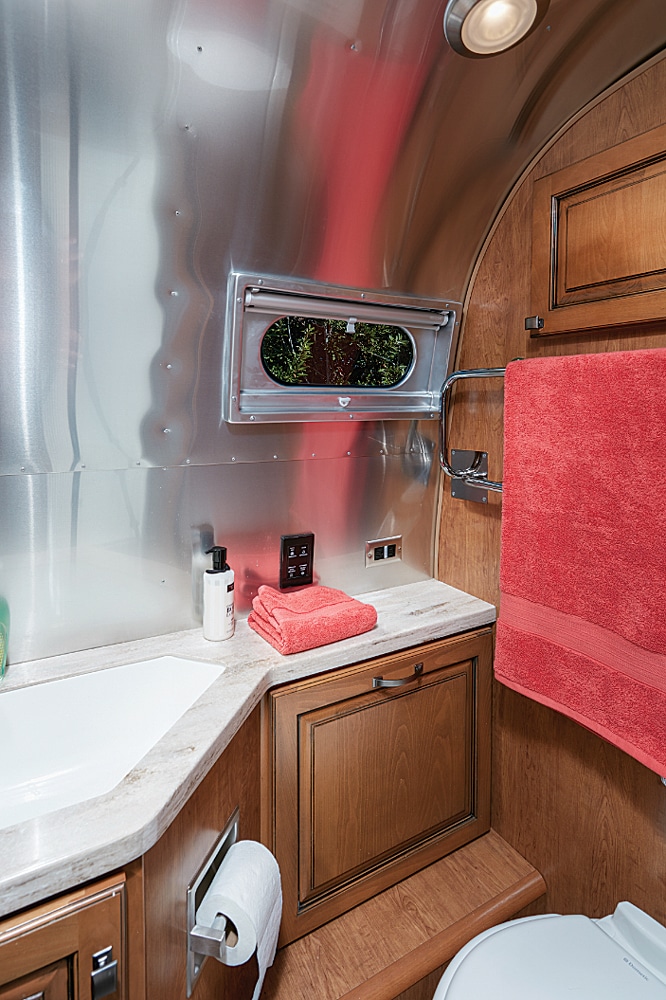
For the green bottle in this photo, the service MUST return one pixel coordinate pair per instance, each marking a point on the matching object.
(4, 635)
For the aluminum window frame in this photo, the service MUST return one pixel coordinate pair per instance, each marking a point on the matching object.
(255, 302)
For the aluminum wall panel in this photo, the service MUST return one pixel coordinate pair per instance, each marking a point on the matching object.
(150, 147)
(90, 558)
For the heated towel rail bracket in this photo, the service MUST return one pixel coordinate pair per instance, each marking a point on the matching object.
(468, 470)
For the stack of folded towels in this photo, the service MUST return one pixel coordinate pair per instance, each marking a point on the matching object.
(313, 616)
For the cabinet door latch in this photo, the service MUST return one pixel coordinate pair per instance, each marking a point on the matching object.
(534, 322)
(104, 975)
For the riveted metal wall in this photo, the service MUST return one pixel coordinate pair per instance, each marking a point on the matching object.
(150, 147)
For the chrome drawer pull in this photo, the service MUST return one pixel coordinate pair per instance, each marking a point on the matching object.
(380, 682)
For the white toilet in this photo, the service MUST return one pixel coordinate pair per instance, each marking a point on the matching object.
(552, 957)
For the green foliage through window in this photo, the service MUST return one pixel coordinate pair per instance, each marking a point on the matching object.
(296, 350)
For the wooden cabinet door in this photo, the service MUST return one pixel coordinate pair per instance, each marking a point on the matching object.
(47, 952)
(599, 239)
(52, 983)
(372, 783)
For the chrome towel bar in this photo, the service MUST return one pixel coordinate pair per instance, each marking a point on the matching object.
(472, 475)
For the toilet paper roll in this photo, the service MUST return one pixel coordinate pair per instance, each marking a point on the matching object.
(248, 892)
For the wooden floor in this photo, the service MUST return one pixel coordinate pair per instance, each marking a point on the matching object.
(383, 947)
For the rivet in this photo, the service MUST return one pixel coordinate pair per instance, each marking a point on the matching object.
(314, 454)
(166, 430)
(83, 465)
(260, 281)
(187, 461)
(239, 299)
(23, 468)
(199, 48)
(274, 456)
(174, 293)
(137, 463)
(234, 398)
(349, 453)
(484, 499)
(252, 417)
(169, 366)
(233, 458)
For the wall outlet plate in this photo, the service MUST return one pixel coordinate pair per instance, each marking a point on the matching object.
(296, 560)
(379, 551)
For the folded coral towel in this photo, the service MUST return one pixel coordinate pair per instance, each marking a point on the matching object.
(582, 627)
(307, 618)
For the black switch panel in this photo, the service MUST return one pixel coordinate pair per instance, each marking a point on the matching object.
(296, 560)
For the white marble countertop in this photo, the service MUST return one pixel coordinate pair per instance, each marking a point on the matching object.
(57, 851)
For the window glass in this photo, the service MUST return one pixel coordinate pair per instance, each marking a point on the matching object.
(298, 350)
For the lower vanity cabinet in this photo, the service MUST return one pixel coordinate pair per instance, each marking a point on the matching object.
(173, 863)
(375, 771)
(72, 947)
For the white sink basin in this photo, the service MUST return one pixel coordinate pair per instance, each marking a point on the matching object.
(66, 741)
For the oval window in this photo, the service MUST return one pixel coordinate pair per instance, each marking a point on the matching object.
(298, 350)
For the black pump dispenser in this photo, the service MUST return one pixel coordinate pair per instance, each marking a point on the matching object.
(220, 564)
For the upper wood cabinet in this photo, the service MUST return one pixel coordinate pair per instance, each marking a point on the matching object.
(369, 783)
(599, 239)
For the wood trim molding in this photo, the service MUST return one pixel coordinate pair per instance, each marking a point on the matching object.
(395, 939)
(443, 946)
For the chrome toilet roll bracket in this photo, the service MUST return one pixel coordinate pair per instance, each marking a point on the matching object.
(205, 941)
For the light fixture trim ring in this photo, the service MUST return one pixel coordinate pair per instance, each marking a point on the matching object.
(456, 14)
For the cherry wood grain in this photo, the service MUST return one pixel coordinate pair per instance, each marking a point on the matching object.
(52, 983)
(172, 864)
(380, 771)
(397, 938)
(371, 784)
(598, 238)
(72, 927)
(586, 815)
(135, 962)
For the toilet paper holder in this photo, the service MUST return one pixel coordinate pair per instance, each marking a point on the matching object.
(205, 941)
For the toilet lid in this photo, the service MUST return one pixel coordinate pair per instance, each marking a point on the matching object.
(549, 958)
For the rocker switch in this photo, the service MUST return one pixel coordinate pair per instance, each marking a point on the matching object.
(104, 976)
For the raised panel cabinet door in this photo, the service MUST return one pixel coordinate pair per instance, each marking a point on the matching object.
(599, 239)
(66, 933)
(52, 983)
(380, 772)
(371, 783)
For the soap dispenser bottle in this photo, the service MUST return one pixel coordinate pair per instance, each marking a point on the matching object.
(218, 597)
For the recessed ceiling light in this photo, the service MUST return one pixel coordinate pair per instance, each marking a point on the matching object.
(480, 28)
